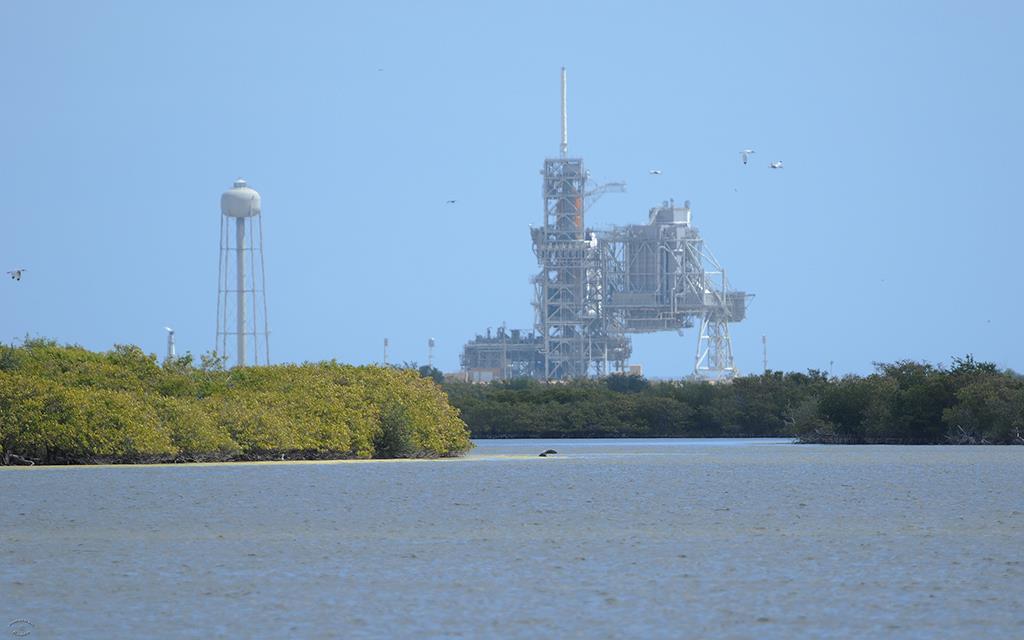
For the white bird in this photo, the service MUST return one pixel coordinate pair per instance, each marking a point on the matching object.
(16, 274)
(775, 165)
(745, 154)
(168, 330)
(655, 172)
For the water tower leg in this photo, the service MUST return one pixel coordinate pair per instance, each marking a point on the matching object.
(240, 286)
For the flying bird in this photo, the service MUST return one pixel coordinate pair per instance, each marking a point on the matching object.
(655, 172)
(776, 165)
(745, 154)
(16, 274)
(449, 201)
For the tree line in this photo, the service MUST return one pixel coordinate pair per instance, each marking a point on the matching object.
(66, 405)
(904, 402)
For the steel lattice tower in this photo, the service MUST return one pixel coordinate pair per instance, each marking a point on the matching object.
(563, 251)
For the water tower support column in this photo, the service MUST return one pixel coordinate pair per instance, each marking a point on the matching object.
(240, 293)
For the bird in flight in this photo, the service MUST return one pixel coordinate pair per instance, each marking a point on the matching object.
(449, 201)
(16, 274)
(655, 172)
(746, 154)
(776, 165)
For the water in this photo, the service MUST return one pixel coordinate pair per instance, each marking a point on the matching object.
(607, 539)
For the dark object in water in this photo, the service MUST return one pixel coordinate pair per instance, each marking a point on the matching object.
(545, 454)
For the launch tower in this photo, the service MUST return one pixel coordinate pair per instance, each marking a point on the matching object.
(595, 287)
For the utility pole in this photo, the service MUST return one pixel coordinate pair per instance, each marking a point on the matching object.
(430, 352)
(385, 351)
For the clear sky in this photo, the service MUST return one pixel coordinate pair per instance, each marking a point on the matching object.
(893, 232)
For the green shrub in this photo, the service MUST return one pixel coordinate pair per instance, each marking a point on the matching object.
(66, 404)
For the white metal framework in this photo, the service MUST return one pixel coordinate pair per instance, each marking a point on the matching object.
(241, 279)
(561, 283)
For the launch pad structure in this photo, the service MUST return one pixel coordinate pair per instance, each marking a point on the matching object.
(594, 287)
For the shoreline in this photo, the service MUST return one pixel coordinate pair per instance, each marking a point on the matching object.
(247, 459)
(341, 458)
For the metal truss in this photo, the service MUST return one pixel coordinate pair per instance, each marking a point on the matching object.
(714, 350)
(714, 359)
(561, 286)
(234, 253)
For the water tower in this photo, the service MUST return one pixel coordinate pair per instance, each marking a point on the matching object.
(241, 279)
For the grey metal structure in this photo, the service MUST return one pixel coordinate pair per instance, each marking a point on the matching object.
(662, 277)
(242, 287)
(503, 355)
(568, 294)
(595, 287)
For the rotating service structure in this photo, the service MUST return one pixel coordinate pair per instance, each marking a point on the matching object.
(241, 279)
(661, 276)
(595, 287)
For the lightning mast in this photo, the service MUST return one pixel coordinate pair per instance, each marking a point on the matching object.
(564, 147)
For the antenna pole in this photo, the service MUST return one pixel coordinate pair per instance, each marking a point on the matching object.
(170, 344)
(564, 148)
(764, 346)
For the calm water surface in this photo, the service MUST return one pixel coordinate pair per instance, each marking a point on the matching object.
(610, 538)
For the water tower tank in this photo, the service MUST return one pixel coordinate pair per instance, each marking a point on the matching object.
(240, 201)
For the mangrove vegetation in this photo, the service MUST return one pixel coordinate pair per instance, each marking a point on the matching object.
(905, 402)
(67, 405)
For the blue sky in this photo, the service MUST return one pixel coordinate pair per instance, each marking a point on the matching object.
(893, 232)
